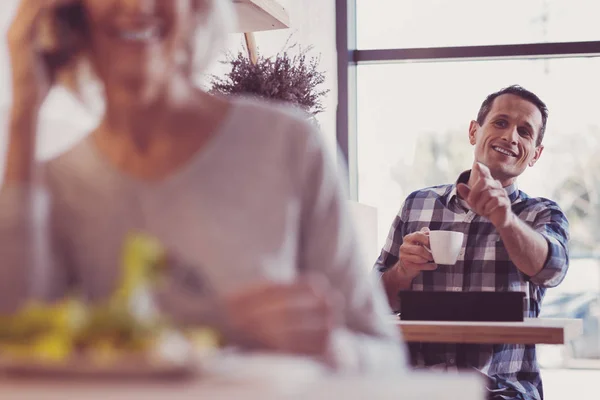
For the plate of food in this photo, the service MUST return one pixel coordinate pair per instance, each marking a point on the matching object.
(123, 337)
(109, 343)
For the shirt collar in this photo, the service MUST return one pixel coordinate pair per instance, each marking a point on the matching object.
(512, 190)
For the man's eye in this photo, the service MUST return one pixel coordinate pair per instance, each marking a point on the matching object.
(500, 123)
(524, 132)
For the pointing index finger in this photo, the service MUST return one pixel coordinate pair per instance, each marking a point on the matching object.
(484, 171)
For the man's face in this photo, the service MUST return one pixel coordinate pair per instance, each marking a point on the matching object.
(506, 142)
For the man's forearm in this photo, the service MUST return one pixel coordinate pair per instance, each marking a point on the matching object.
(394, 280)
(527, 249)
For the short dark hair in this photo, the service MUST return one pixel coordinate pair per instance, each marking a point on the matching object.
(523, 93)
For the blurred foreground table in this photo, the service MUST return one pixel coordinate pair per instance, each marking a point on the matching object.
(258, 378)
(530, 331)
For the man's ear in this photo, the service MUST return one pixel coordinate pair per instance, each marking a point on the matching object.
(473, 126)
(537, 155)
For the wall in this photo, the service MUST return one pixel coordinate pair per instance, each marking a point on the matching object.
(312, 24)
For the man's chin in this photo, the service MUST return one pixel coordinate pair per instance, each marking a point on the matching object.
(504, 175)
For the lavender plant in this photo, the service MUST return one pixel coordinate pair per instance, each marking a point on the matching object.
(291, 78)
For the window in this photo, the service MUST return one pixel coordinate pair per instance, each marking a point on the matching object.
(435, 23)
(413, 121)
(409, 110)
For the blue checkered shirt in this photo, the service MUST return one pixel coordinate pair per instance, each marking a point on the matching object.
(483, 265)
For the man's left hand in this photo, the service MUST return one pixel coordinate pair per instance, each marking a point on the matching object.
(487, 197)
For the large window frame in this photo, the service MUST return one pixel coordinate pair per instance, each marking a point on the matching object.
(350, 57)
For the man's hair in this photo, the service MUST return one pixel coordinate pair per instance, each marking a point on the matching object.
(523, 93)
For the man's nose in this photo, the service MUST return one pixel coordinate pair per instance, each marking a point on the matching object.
(511, 135)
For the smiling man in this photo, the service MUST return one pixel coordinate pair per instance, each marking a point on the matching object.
(512, 242)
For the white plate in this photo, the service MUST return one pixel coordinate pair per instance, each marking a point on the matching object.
(172, 358)
(124, 368)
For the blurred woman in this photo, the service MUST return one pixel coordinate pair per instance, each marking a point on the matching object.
(242, 189)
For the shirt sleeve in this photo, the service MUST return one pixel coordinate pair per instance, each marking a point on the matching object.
(390, 253)
(29, 266)
(553, 225)
(328, 245)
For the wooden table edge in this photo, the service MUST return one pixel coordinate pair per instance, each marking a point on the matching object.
(531, 331)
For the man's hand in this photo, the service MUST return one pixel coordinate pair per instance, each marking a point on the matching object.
(414, 258)
(297, 318)
(487, 198)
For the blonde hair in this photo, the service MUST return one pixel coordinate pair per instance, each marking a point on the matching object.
(215, 19)
(219, 21)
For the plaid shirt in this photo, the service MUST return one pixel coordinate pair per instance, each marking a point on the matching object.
(483, 265)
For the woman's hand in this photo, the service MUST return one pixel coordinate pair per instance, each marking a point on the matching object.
(31, 83)
(297, 318)
(31, 77)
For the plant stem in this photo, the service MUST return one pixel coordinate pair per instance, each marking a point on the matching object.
(251, 46)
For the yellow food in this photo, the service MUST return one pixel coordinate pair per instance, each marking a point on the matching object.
(42, 331)
(144, 258)
(55, 332)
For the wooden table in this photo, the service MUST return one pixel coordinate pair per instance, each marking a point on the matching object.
(530, 331)
(259, 378)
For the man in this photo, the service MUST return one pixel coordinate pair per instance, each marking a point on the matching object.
(512, 242)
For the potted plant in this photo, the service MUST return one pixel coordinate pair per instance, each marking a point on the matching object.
(290, 77)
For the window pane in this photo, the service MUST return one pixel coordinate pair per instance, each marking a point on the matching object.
(437, 23)
(413, 123)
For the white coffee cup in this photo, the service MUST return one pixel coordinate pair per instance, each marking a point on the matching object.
(445, 246)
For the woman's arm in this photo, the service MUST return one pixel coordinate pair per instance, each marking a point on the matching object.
(28, 266)
(32, 262)
(29, 255)
(329, 245)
